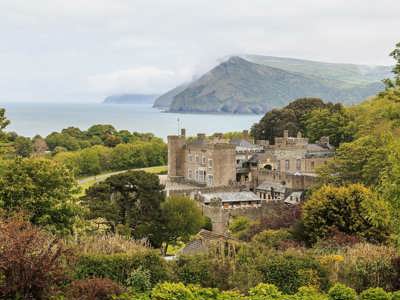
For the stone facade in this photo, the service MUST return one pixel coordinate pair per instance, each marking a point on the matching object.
(201, 161)
(273, 171)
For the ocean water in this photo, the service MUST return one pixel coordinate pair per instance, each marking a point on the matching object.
(29, 119)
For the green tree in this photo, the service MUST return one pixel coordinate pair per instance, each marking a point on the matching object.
(42, 188)
(182, 218)
(360, 161)
(4, 122)
(132, 199)
(332, 122)
(396, 70)
(291, 117)
(352, 209)
(23, 146)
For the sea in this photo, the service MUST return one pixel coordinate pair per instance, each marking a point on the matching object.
(30, 119)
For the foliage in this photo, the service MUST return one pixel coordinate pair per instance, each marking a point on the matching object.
(139, 280)
(289, 272)
(273, 238)
(93, 289)
(352, 209)
(182, 218)
(119, 267)
(131, 199)
(291, 118)
(169, 291)
(23, 146)
(374, 294)
(31, 261)
(332, 121)
(42, 188)
(341, 292)
(396, 70)
(4, 122)
(97, 159)
(239, 226)
(109, 244)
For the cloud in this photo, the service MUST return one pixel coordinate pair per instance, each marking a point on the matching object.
(94, 47)
(137, 80)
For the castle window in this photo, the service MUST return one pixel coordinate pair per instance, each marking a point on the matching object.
(210, 163)
(201, 176)
(190, 174)
(197, 159)
(312, 165)
(204, 160)
(298, 164)
(210, 180)
(287, 164)
(190, 157)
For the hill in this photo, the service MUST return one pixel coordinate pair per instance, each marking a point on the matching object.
(130, 99)
(256, 84)
(165, 100)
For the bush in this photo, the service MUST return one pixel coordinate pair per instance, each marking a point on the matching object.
(31, 261)
(93, 289)
(273, 238)
(171, 291)
(269, 291)
(367, 265)
(289, 272)
(119, 267)
(374, 294)
(139, 280)
(341, 292)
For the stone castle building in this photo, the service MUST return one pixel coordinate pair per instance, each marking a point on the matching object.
(278, 171)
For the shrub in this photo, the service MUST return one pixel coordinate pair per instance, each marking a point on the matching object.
(367, 265)
(171, 291)
(31, 261)
(93, 289)
(139, 280)
(269, 291)
(272, 238)
(289, 272)
(341, 292)
(110, 244)
(119, 267)
(374, 294)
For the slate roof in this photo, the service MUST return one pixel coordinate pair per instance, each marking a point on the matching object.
(294, 195)
(267, 186)
(226, 197)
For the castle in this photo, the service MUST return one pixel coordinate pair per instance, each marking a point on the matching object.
(273, 171)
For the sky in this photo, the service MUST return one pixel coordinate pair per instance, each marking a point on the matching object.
(85, 50)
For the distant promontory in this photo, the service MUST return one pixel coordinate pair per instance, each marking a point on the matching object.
(130, 99)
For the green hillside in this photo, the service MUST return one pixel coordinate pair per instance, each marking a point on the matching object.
(241, 86)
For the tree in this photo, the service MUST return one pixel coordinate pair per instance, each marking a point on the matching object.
(42, 188)
(182, 218)
(332, 122)
(291, 117)
(396, 70)
(39, 145)
(132, 199)
(4, 122)
(23, 146)
(360, 161)
(352, 209)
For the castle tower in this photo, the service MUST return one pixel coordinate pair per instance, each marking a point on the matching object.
(176, 155)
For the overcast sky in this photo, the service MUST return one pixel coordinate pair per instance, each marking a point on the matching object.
(84, 50)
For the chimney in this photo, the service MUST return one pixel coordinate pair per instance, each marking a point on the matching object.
(286, 133)
(299, 136)
(183, 132)
(324, 141)
(218, 135)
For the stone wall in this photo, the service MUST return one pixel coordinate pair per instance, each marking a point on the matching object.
(220, 217)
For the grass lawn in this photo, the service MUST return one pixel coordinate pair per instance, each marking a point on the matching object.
(87, 182)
